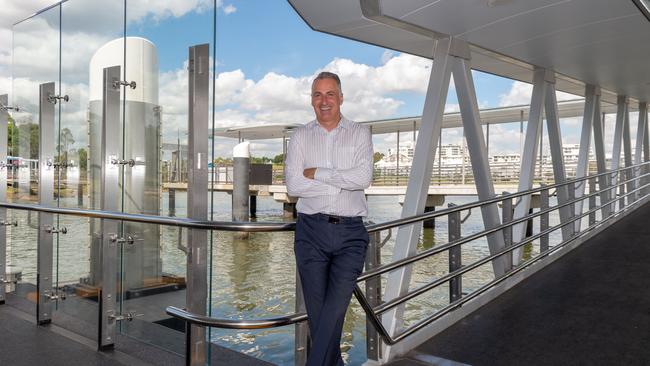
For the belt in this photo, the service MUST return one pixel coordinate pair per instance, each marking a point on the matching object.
(333, 219)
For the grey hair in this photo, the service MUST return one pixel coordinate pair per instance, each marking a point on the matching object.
(329, 75)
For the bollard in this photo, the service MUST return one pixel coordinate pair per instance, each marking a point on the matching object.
(253, 206)
(429, 224)
(172, 202)
(240, 184)
(80, 194)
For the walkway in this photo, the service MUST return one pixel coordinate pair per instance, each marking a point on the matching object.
(592, 307)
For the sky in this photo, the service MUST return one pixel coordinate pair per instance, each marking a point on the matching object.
(266, 57)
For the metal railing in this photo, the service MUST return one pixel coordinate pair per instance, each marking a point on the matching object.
(370, 300)
(636, 178)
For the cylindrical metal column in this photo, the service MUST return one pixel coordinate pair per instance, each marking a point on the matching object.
(241, 174)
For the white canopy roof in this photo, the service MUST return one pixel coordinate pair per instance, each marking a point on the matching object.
(566, 109)
(600, 42)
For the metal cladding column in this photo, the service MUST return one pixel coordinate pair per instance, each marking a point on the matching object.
(45, 198)
(197, 199)
(419, 180)
(109, 201)
(241, 176)
(592, 97)
(638, 149)
(3, 194)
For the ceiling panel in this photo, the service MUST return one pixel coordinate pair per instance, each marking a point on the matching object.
(604, 42)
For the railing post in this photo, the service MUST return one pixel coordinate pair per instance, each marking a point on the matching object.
(46, 198)
(605, 194)
(455, 259)
(572, 214)
(592, 201)
(109, 201)
(301, 348)
(373, 294)
(4, 101)
(506, 214)
(198, 257)
(622, 174)
(543, 220)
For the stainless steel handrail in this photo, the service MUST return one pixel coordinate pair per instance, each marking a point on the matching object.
(161, 220)
(469, 267)
(284, 226)
(433, 214)
(390, 340)
(442, 248)
(373, 313)
(235, 323)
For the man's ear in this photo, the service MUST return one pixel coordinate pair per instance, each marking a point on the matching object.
(341, 99)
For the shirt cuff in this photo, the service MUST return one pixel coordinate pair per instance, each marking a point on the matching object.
(323, 175)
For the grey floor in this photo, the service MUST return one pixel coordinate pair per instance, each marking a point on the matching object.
(24, 343)
(69, 340)
(592, 307)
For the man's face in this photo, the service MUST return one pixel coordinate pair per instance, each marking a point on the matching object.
(326, 100)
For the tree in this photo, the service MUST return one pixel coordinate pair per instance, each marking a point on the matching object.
(66, 140)
(12, 137)
(83, 159)
(262, 160)
(278, 159)
(377, 156)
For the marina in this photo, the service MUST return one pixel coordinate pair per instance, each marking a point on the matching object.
(145, 217)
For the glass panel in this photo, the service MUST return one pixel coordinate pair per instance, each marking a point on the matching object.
(86, 27)
(155, 131)
(35, 61)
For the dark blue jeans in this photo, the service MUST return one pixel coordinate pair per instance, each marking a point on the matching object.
(330, 253)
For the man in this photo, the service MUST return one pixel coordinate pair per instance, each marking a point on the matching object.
(328, 166)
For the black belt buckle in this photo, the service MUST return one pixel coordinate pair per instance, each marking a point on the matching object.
(333, 219)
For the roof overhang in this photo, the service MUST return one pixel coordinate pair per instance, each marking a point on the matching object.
(566, 109)
(599, 42)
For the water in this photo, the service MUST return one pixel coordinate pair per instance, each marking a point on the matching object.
(255, 277)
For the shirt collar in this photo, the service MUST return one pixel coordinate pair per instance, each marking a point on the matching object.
(344, 123)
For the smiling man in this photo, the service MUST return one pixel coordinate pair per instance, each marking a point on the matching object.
(328, 166)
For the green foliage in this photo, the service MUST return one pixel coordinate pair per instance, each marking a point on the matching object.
(262, 160)
(83, 159)
(377, 156)
(278, 159)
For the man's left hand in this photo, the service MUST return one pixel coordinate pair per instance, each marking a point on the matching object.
(309, 173)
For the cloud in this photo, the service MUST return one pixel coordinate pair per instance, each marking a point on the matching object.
(86, 25)
(229, 9)
(520, 93)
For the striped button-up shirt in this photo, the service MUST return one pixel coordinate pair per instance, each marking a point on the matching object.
(343, 161)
